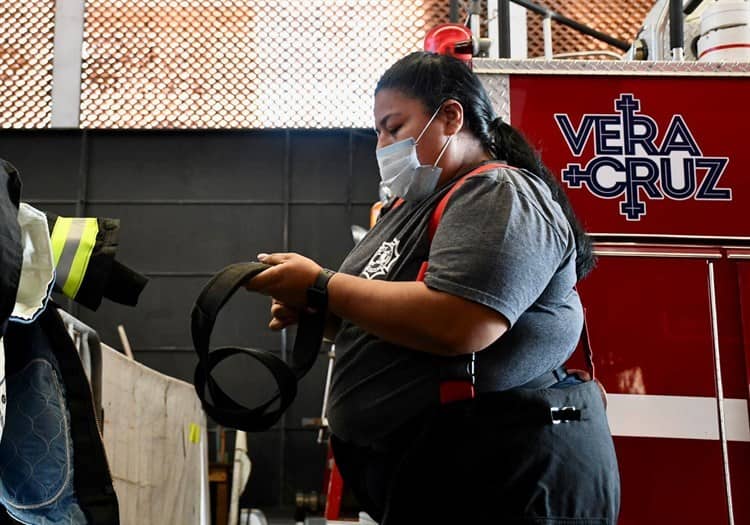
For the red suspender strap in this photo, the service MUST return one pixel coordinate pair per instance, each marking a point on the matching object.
(456, 390)
(422, 271)
(588, 352)
(453, 389)
(437, 214)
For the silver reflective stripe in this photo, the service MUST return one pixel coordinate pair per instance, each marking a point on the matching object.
(65, 263)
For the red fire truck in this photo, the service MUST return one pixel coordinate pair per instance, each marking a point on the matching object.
(656, 161)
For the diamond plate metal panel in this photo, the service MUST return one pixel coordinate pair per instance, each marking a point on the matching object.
(498, 89)
(26, 63)
(242, 63)
(619, 18)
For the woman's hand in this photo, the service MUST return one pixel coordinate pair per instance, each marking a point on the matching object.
(288, 279)
(282, 315)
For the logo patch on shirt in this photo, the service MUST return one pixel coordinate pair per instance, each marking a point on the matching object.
(383, 260)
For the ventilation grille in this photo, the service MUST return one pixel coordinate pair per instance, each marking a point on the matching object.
(243, 64)
(26, 63)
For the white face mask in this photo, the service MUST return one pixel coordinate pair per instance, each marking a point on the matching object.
(401, 173)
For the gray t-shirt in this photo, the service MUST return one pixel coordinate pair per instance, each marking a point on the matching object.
(502, 242)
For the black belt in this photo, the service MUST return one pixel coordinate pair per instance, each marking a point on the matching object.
(548, 379)
(222, 408)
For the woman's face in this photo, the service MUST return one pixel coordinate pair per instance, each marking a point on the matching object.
(399, 117)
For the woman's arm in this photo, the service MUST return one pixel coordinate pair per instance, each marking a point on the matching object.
(413, 315)
(405, 313)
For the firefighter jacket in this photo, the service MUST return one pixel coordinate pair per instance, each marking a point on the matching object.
(53, 468)
(11, 251)
(84, 249)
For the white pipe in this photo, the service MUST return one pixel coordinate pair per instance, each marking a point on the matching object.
(519, 42)
(547, 28)
(326, 392)
(240, 475)
(493, 30)
(719, 387)
(205, 517)
(66, 64)
(475, 25)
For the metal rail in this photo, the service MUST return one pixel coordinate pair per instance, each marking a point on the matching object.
(564, 20)
(719, 389)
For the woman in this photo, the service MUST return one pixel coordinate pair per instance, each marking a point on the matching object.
(497, 296)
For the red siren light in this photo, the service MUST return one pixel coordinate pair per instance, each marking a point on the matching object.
(450, 39)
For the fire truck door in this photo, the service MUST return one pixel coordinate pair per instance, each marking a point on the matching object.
(649, 313)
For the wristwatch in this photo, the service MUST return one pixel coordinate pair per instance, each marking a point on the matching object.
(317, 294)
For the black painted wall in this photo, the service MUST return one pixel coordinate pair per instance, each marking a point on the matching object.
(191, 202)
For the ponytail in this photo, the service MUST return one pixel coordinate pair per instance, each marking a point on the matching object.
(508, 144)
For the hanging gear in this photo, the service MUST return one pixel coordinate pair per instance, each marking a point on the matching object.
(11, 261)
(38, 269)
(84, 249)
(53, 468)
(11, 249)
(221, 407)
(61, 475)
(73, 242)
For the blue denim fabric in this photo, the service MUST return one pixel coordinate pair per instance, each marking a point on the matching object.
(36, 450)
(570, 380)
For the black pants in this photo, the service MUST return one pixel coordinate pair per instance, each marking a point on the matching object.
(498, 459)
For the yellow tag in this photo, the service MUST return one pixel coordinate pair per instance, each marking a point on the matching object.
(195, 433)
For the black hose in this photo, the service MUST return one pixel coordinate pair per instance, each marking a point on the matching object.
(586, 30)
(454, 11)
(676, 23)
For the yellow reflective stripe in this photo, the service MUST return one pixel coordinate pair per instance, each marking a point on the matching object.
(82, 256)
(195, 433)
(59, 236)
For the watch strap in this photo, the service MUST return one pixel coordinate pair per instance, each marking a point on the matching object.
(317, 294)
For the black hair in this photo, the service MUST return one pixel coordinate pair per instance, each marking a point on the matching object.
(433, 79)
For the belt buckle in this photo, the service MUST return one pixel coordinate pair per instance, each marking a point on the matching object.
(564, 414)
